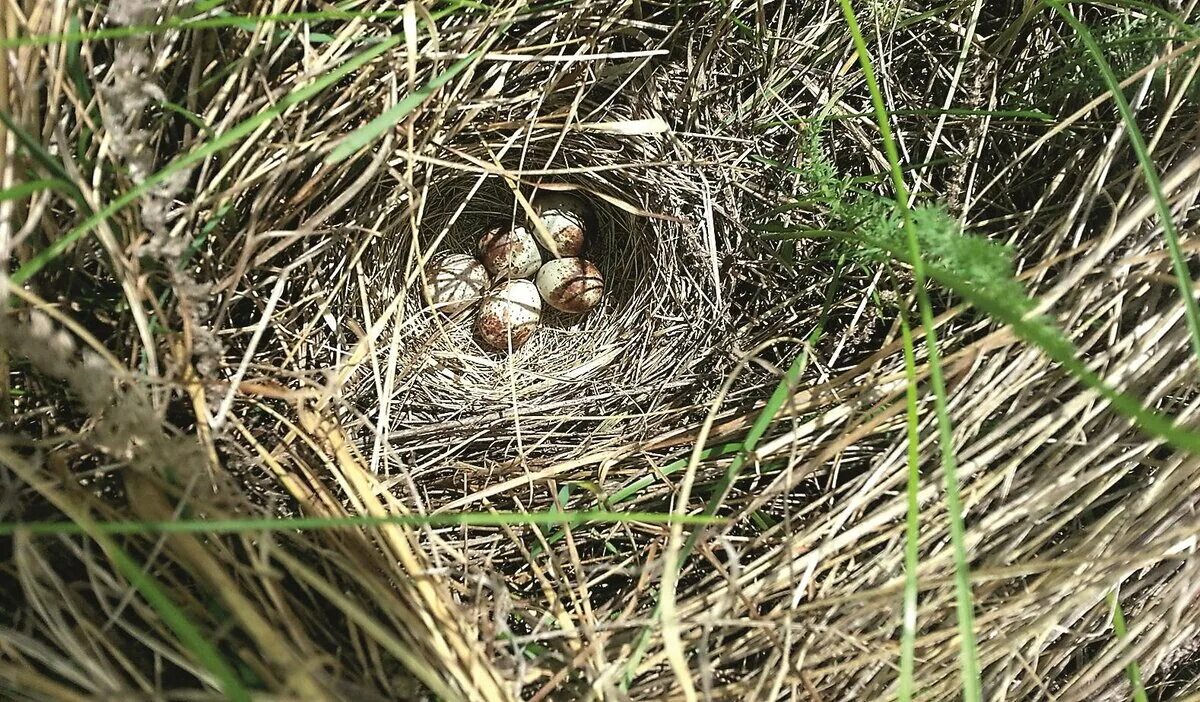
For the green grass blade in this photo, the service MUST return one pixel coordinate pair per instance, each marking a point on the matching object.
(227, 139)
(783, 391)
(1149, 172)
(1057, 347)
(632, 489)
(374, 129)
(173, 617)
(1035, 115)
(912, 529)
(83, 91)
(23, 190)
(190, 116)
(968, 656)
(205, 652)
(227, 526)
(761, 424)
(770, 411)
(1133, 671)
(1164, 13)
(43, 157)
(758, 429)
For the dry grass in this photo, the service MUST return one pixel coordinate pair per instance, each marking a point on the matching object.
(246, 339)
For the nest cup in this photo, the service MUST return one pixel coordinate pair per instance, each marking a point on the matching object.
(615, 373)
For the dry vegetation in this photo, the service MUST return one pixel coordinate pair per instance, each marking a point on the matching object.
(213, 325)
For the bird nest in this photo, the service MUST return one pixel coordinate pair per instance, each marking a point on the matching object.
(630, 366)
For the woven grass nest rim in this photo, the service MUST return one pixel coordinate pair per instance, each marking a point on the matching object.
(660, 303)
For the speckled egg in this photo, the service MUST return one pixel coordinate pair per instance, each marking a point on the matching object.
(513, 308)
(571, 285)
(565, 217)
(510, 253)
(454, 283)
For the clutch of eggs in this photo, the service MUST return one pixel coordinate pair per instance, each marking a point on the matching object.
(565, 218)
(573, 285)
(455, 283)
(509, 314)
(510, 252)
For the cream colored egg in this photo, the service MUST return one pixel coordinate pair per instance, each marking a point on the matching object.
(454, 283)
(510, 253)
(509, 313)
(565, 218)
(571, 285)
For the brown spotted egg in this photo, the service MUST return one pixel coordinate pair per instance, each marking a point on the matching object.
(571, 285)
(510, 253)
(509, 312)
(454, 283)
(565, 218)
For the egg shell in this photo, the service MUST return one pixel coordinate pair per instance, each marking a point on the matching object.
(454, 283)
(512, 307)
(510, 252)
(572, 285)
(565, 218)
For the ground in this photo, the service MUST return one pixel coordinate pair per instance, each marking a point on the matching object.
(891, 393)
